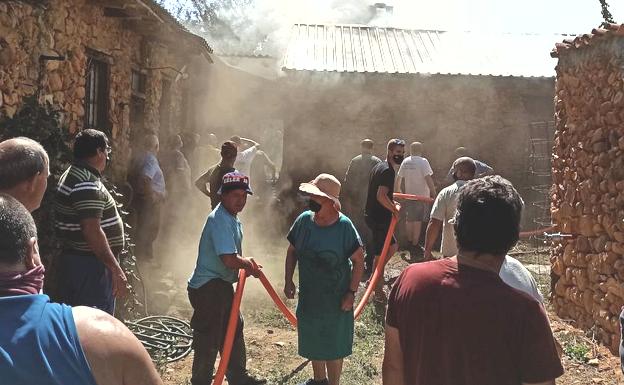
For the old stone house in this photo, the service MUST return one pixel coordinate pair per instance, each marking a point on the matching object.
(588, 181)
(445, 89)
(123, 66)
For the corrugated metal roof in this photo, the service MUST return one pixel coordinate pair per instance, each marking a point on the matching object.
(357, 48)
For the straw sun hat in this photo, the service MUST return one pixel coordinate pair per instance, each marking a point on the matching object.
(324, 185)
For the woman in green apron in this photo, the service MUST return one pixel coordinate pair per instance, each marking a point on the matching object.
(331, 261)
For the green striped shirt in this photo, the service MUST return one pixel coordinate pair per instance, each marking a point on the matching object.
(81, 194)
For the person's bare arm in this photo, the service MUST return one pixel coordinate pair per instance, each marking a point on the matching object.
(433, 231)
(357, 259)
(397, 184)
(96, 239)
(551, 382)
(432, 189)
(289, 271)
(115, 355)
(236, 262)
(382, 198)
(202, 182)
(392, 370)
(249, 142)
(268, 162)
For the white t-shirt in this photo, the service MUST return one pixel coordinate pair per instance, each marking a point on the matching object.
(514, 274)
(414, 169)
(443, 210)
(244, 159)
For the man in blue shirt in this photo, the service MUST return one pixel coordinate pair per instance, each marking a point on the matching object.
(210, 287)
(48, 343)
(149, 184)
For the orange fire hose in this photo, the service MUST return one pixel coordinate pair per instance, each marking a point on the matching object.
(238, 296)
(231, 329)
(379, 269)
(411, 197)
(278, 301)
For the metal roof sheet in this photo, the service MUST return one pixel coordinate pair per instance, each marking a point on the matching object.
(370, 49)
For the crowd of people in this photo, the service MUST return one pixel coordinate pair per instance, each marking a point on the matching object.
(469, 315)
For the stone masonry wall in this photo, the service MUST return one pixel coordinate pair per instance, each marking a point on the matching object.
(70, 28)
(588, 185)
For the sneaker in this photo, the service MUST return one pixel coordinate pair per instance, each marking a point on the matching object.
(311, 381)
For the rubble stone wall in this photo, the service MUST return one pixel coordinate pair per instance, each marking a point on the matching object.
(488, 115)
(588, 186)
(70, 28)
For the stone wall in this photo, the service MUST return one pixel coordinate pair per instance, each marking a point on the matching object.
(588, 181)
(70, 28)
(330, 114)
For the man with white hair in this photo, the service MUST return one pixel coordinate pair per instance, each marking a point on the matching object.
(24, 171)
(150, 194)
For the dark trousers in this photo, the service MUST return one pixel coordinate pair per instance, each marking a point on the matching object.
(147, 226)
(622, 340)
(212, 303)
(84, 281)
(357, 217)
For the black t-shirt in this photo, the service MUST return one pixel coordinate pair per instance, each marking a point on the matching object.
(382, 174)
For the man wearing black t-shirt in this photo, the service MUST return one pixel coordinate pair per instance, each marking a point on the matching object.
(380, 206)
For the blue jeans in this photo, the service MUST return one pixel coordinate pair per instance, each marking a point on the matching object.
(85, 281)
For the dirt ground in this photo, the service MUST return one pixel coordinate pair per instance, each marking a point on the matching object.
(272, 347)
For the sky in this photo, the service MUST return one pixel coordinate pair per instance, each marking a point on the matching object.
(518, 16)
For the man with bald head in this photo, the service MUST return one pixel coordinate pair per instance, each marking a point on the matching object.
(354, 191)
(416, 172)
(482, 168)
(24, 171)
(444, 208)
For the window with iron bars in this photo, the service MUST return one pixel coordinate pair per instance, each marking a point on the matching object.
(96, 95)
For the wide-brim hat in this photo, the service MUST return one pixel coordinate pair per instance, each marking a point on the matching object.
(324, 185)
(235, 180)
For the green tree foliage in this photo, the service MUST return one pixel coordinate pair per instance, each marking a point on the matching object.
(606, 14)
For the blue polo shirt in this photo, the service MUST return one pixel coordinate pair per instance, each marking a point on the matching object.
(222, 234)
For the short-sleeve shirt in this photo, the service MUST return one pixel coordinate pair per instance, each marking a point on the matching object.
(382, 174)
(151, 169)
(222, 235)
(443, 210)
(214, 176)
(414, 169)
(80, 194)
(514, 274)
(244, 159)
(356, 180)
(462, 325)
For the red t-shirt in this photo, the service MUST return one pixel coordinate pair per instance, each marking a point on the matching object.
(464, 326)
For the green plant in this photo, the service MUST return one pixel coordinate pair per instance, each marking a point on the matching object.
(576, 349)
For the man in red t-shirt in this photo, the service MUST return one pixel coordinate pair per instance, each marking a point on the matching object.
(454, 321)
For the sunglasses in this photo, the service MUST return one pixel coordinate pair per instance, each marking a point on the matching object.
(399, 142)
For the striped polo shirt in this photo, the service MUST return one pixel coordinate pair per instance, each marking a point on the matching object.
(81, 194)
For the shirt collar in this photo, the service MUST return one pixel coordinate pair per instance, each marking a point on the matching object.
(83, 164)
(224, 211)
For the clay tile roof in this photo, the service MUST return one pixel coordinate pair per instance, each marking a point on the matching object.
(587, 39)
